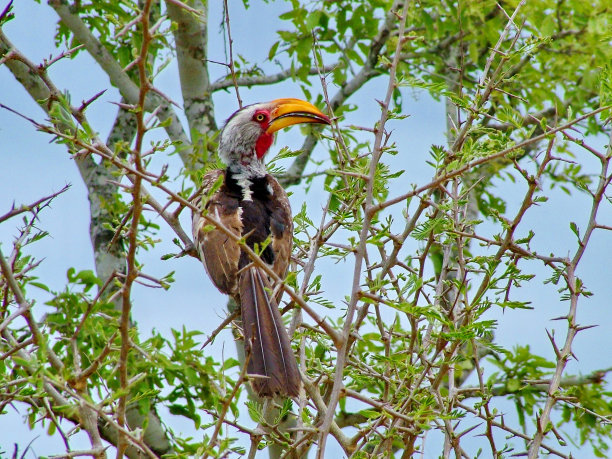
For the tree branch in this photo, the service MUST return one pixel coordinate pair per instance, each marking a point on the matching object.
(120, 79)
(367, 72)
(261, 80)
(97, 179)
(498, 390)
(191, 41)
(360, 254)
(28, 207)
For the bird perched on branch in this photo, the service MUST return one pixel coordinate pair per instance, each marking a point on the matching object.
(249, 203)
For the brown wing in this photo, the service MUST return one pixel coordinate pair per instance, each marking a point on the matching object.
(281, 227)
(218, 252)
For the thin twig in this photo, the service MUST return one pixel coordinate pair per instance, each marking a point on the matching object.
(361, 248)
(230, 44)
(28, 207)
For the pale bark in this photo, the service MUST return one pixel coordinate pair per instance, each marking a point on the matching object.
(108, 259)
(190, 37)
(365, 74)
(121, 80)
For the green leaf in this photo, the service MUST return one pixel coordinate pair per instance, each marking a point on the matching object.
(230, 363)
(255, 412)
(273, 49)
(313, 19)
(575, 229)
(40, 286)
(370, 414)
(513, 385)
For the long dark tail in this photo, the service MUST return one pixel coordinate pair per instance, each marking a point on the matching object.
(266, 342)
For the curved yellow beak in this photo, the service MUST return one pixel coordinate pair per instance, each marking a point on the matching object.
(294, 111)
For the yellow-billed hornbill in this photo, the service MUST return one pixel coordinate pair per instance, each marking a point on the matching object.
(254, 206)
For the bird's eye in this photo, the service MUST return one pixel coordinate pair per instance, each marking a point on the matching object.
(260, 117)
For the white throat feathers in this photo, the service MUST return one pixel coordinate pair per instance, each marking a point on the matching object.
(237, 148)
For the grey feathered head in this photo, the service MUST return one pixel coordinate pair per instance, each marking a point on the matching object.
(249, 132)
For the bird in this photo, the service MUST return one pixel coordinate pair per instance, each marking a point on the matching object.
(250, 203)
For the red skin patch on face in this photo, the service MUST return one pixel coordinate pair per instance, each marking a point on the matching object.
(263, 144)
(265, 140)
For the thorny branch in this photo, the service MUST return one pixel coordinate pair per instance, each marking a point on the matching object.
(45, 201)
(132, 269)
(367, 72)
(575, 290)
(260, 80)
(361, 248)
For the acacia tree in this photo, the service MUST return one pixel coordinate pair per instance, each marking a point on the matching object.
(406, 360)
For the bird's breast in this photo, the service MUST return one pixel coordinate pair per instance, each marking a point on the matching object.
(263, 220)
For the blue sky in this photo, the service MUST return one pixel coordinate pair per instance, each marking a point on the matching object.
(33, 167)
